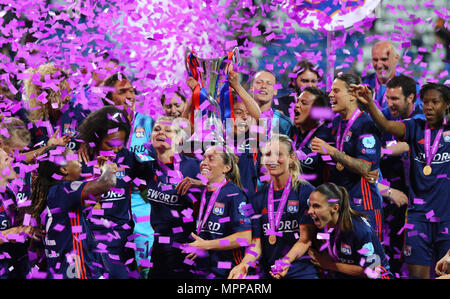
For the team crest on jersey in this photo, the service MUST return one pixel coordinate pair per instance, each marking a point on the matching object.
(218, 208)
(68, 130)
(292, 206)
(446, 136)
(407, 251)
(241, 208)
(368, 141)
(139, 132)
(120, 174)
(346, 249)
(347, 138)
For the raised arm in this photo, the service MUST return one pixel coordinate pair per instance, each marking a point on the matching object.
(363, 94)
(247, 99)
(104, 183)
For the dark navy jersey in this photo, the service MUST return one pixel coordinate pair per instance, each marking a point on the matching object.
(23, 184)
(429, 200)
(314, 169)
(249, 164)
(70, 247)
(171, 214)
(360, 247)
(396, 168)
(72, 116)
(13, 255)
(362, 142)
(115, 205)
(294, 215)
(228, 216)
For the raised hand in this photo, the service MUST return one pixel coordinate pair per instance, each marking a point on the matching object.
(186, 184)
(362, 93)
(58, 141)
(192, 83)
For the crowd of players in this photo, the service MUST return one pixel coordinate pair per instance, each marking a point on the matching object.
(351, 182)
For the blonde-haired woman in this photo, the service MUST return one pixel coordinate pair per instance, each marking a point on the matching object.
(282, 232)
(223, 224)
(171, 201)
(54, 116)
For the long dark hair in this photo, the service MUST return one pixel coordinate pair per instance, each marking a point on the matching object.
(335, 194)
(47, 176)
(321, 100)
(97, 125)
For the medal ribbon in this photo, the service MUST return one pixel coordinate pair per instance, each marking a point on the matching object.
(194, 64)
(340, 140)
(311, 132)
(211, 202)
(274, 222)
(226, 95)
(430, 155)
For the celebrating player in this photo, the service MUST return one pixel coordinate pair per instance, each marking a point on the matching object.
(59, 196)
(356, 152)
(306, 128)
(353, 247)
(428, 209)
(282, 232)
(171, 200)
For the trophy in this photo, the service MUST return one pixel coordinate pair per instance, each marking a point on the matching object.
(212, 97)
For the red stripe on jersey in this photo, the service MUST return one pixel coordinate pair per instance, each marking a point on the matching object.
(368, 194)
(378, 223)
(363, 194)
(83, 265)
(75, 247)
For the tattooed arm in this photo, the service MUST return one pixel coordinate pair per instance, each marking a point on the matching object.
(357, 166)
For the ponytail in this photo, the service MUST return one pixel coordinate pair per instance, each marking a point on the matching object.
(233, 175)
(338, 195)
(43, 182)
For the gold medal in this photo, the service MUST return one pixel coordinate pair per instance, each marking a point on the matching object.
(427, 170)
(272, 239)
(339, 166)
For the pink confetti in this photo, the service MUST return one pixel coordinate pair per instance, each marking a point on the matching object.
(224, 265)
(164, 240)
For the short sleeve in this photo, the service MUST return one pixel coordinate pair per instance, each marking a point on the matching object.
(256, 217)
(141, 166)
(409, 130)
(66, 196)
(368, 145)
(239, 213)
(304, 217)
